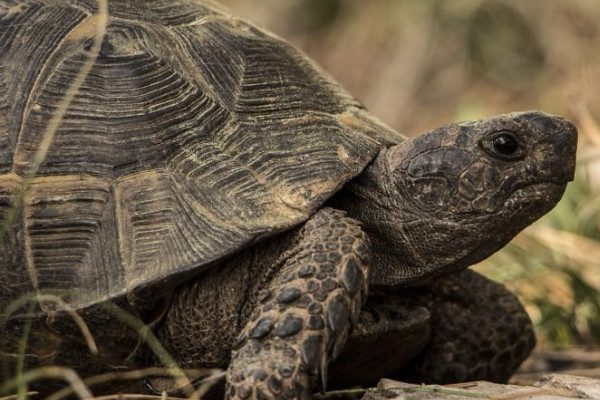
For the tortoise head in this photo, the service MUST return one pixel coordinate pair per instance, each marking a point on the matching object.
(455, 195)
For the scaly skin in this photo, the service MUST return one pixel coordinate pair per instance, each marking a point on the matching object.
(480, 331)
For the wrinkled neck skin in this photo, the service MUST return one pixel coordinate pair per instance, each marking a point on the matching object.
(387, 217)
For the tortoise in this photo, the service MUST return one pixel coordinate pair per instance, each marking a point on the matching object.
(209, 180)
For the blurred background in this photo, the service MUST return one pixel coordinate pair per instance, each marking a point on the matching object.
(420, 64)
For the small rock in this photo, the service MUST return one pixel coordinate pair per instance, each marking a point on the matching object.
(550, 387)
(582, 387)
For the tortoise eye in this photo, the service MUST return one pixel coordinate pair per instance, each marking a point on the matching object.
(504, 145)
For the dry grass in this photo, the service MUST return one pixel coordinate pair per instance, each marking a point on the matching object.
(193, 383)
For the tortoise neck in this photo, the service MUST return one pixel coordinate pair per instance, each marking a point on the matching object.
(372, 200)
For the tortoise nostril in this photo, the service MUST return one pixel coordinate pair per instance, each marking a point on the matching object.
(566, 139)
(565, 144)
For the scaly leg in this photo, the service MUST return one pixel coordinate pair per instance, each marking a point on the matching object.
(303, 316)
(480, 331)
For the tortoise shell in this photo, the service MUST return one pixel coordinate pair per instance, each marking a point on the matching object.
(193, 135)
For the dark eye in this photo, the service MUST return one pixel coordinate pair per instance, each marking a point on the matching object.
(504, 145)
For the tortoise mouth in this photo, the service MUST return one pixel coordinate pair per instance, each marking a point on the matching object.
(540, 196)
(526, 196)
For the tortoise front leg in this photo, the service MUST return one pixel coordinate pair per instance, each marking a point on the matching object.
(389, 333)
(303, 316)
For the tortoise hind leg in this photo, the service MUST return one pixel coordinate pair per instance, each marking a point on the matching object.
(303, 316)
(462, 327)
(480, 331)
